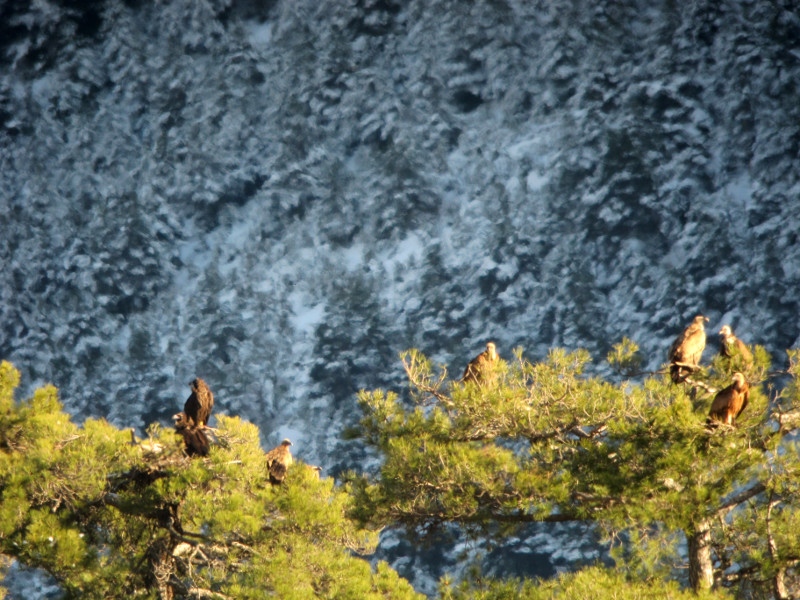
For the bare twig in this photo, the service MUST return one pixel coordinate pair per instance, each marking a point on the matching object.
(432, 390)
(700, 384)
(206, 593)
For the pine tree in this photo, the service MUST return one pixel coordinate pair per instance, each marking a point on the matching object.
(677, 500)
(112, 517)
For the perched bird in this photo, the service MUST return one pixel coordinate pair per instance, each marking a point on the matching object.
(730, 402)
(314, 470)
(193, 435)
(278, 462)
(199, 404)
(685, 352)
(730, 346)
(478, 366)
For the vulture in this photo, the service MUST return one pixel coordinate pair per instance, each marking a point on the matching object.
(478, 365)
(730, 401)
(730, 346)
(194, 438)
(278, 462)
(199, 404)
(685, 352)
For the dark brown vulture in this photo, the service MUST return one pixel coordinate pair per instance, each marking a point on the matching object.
(730, 402)
(478, 366)
(278, 462)
(687, 350)
(199, 404)
(193, 435)
(730, 346)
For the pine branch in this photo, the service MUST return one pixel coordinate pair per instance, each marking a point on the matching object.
(489, 431)
(420, 382)
(787, 423)
(739, 498)
(194, 539)
(206, 593)
(700, 384)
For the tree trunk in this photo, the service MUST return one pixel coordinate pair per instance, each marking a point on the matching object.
(701, 569)
(161, 568)
(781, 593)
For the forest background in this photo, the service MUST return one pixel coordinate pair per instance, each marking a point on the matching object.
(281, 197)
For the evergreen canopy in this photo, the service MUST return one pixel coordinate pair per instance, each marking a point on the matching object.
(109, 518)
(674, 498)
(688, 510)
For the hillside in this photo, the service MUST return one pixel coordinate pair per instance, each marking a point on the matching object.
(280, 197)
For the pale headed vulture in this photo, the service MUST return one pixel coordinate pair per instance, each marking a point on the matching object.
(730, 402)
(687, 349)
(278, 462)
(730, 346)
(478, 366)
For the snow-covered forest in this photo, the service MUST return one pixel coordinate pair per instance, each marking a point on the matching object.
(281, 196)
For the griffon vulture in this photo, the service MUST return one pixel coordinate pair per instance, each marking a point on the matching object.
(278, 462)
(730, 346)
(478, 366)
(730, 402)
(685, 352)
